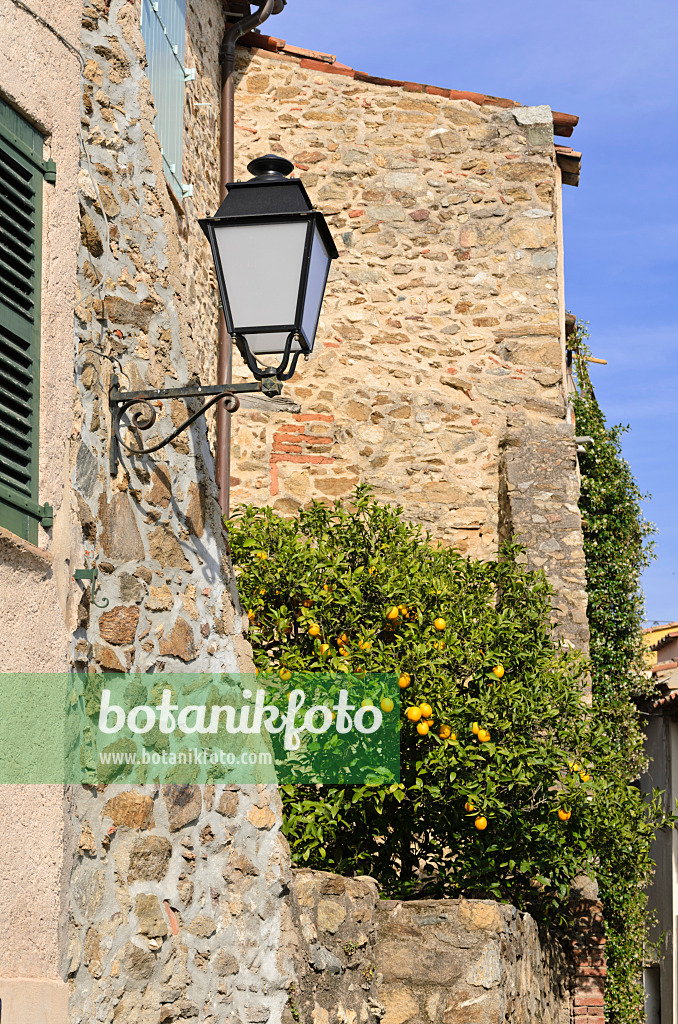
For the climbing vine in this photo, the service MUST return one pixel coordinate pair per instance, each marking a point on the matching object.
(617, 547)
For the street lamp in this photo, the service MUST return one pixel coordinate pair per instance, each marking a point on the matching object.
(272, 253)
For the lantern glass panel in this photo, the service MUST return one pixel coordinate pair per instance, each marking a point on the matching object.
(262, 267)
(272, 343)
(315, 289)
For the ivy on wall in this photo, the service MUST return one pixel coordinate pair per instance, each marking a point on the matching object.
(617, 547)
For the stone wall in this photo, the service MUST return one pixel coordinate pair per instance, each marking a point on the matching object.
(443, 326)
(174, 894)
(538, 508)
(442, 313)
(176, 905)
(155, 528)
(426, 962)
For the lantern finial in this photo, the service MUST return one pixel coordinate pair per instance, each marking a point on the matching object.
(270, 166)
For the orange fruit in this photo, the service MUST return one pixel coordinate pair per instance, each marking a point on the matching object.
(453, 737)
(439, 624)
(262, 556)
(404, 681)
(314, 629)
(426, 710)
(422, 728)
(251, 615)
(367, 703)
(480, 823)
(475, 728)
(372, 570)
(468, 806)
(414, 714)
(483, 735)
(444, 732)
(387, 705)
(392, 613)
(324, 648)
(498, 671)
(343, 651)
(584, 776)
(285, 673)
(563, 814)
(365, 645)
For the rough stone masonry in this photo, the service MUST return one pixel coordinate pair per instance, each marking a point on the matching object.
(173, 896)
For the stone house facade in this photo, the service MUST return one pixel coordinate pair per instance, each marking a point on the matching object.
(439, 376)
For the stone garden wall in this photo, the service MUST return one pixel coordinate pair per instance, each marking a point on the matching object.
(426, 962)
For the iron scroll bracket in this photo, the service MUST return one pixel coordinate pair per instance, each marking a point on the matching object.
(93, 575)
(121, 402)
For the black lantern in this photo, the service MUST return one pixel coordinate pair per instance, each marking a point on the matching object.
(272, 253)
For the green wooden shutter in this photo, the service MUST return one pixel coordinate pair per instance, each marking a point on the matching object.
(22, 172)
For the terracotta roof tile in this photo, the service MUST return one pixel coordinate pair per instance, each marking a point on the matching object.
(362, 76)
(564, 124)
(334, 69)
(263, 42)
(666, 625)
(313, 60)
(297, 51)
(569, 162)
(665, 640)
(663, 666)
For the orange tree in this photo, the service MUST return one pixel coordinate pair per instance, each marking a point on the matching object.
(510, 785)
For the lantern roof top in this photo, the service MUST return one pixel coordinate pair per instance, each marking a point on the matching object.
(270, 191)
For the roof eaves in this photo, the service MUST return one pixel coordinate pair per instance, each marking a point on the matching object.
(663, 666)
(569, 162)
(313, 60)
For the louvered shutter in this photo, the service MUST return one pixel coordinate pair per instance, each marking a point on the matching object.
(22, 172)
(163, 27)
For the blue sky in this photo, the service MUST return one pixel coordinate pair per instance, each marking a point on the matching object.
(613, 62)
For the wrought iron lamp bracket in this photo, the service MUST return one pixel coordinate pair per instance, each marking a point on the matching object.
(268, 373)
(144, 418)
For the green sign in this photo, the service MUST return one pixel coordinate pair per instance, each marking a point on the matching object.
(199, 728)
